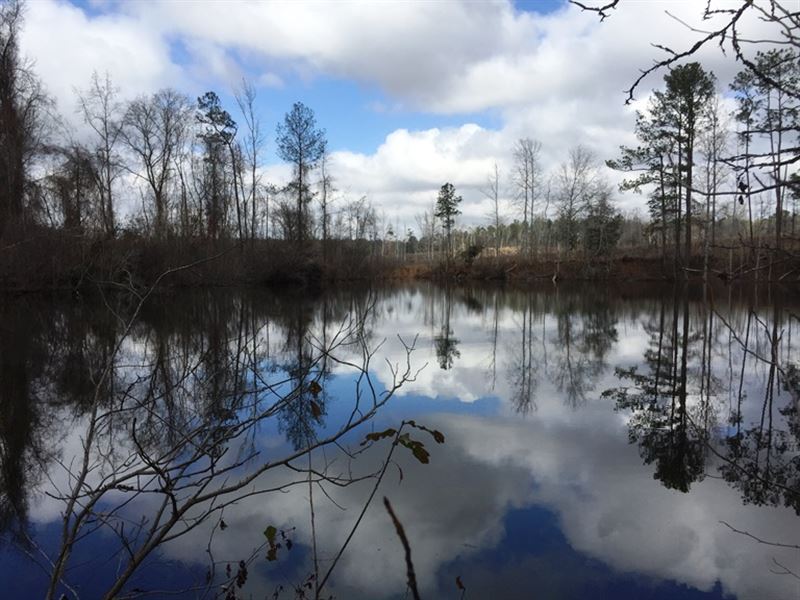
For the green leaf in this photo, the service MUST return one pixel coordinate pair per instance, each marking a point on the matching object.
(270, 533)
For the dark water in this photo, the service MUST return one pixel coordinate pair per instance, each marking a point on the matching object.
(596, 444)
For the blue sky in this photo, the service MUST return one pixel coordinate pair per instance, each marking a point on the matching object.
(411, 94)
(356, 115)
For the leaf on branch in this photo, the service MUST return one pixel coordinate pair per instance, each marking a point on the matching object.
(419, 452)
(270, 532)
(417, 448)
(315, 388)
(379, 435)
(437, 435)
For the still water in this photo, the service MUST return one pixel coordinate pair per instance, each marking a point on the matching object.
(544, 443)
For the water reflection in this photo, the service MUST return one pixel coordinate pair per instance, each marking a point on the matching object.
(544, 398)
(446, 344)
(657, 399)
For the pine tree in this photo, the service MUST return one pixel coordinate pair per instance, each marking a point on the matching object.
(303, 145)
(447, 209)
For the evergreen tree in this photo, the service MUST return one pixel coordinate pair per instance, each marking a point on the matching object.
(22, 108)
(447, 209)
(679, 113)
(217, 136)
(665, 159)
(221, 129)
(303, 145)
(602, 227)
(769, 108)
(652, 166)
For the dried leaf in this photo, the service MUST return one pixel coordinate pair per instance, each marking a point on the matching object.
(437, 435)
(379, 435)
(419, 452)
(316, 410)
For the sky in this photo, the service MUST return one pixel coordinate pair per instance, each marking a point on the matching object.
(411, 94)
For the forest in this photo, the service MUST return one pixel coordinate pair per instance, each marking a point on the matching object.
(169, 182)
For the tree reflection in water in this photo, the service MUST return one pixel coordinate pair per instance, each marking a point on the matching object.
(135, 432)
(659, 419)
(446, 345)
(167, 401)
(675, 402)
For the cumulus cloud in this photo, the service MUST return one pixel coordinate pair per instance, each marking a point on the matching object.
(407, 169)
(67, 45)
(559, 78)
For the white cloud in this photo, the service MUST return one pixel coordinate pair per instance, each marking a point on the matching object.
(559, 78)
(406, 171)
(270, 80)
(67, 46)
(449, 57)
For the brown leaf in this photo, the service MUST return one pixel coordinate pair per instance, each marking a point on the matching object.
(316, 410)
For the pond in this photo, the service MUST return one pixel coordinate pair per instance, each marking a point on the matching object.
(553, 442)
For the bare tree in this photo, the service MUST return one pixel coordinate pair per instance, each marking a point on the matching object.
(426, 222)
(713, 146)
(361, 218)
(781, 26)
(492, 192)
(576, 181)
(326, 191)
(253, 144)
(100, 110)
(527, 179)
(154, 129)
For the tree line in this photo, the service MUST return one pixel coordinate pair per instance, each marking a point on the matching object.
(748, 158)
(164, 166)
(569, 211)
(714, 182)
(187, 166)
(706, 172)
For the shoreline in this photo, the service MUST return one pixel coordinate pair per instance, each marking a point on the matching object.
(59, 262)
